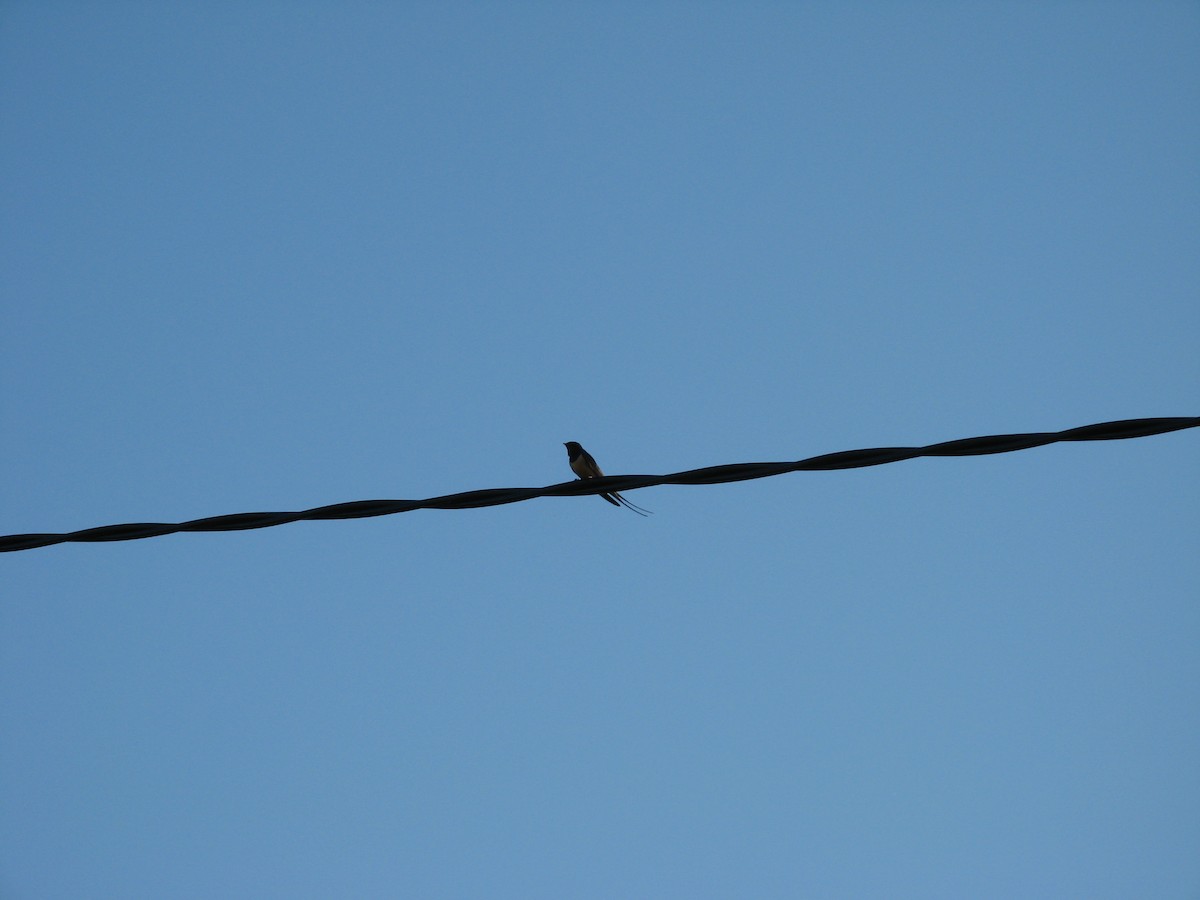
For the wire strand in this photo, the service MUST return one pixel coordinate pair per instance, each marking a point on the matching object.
(846, 459)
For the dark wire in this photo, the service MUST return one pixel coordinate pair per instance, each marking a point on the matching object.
(847, 459)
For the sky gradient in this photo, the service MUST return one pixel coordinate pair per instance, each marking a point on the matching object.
(273, 256)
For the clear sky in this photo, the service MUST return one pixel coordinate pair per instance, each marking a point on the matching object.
(269, 256)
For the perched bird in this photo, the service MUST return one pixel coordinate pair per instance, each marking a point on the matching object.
(584, 466)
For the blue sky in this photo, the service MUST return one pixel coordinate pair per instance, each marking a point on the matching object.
(273, 256)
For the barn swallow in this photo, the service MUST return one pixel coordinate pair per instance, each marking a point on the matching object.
(584, 466)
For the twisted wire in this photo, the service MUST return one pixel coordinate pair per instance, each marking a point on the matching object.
(846, 459)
